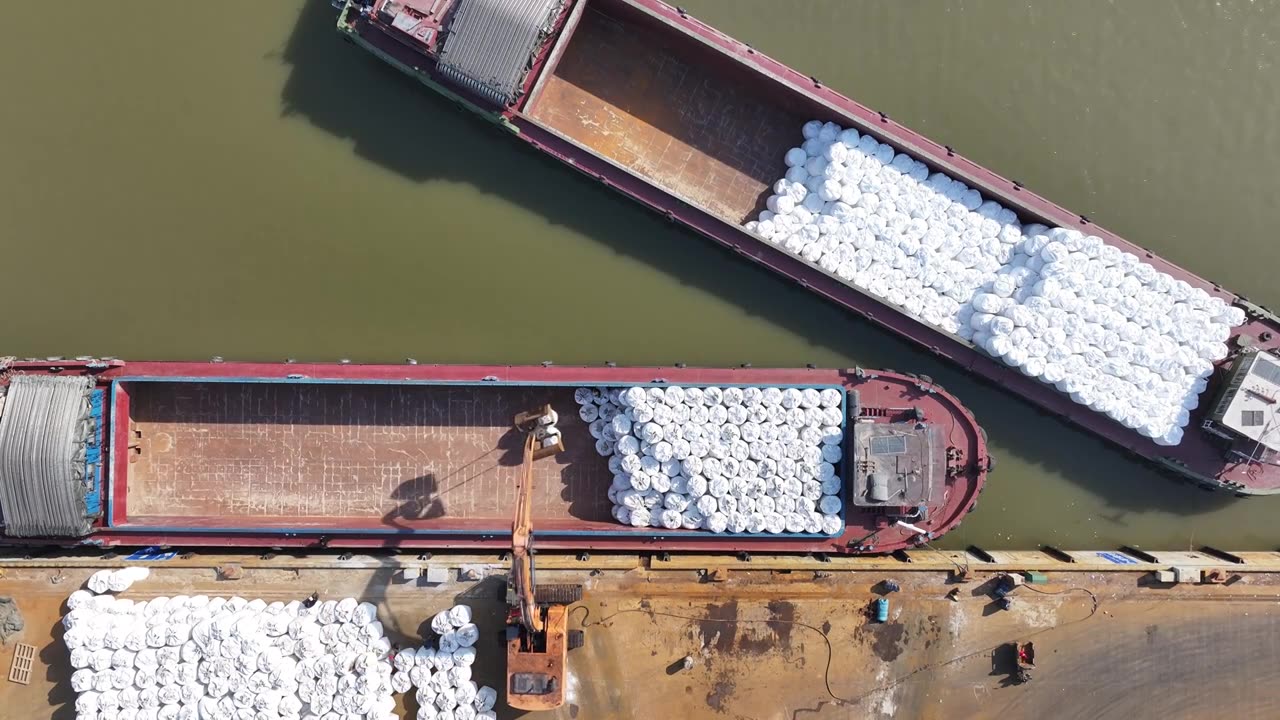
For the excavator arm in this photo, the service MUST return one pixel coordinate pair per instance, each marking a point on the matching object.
(522, 582)
(538, 634)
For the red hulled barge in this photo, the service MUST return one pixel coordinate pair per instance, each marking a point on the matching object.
(422, 456)
(651, 102)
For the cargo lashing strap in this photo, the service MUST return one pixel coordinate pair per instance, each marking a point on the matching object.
(45, 438)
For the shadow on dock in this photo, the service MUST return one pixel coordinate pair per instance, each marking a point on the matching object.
(398, 124)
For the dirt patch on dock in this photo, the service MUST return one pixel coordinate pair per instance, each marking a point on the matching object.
(724, 630)
(10, 619)
(887, 640)
(720, 627)
(721, 693)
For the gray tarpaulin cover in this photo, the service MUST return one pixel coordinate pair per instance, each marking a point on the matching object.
(42, 456)
(491, 43)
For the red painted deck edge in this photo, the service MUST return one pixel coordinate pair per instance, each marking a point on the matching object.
(116, 508)
(940, 407)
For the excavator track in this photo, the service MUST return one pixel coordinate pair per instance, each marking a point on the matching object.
(557, 594)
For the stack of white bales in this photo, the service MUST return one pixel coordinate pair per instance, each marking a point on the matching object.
(878, 221)
(442, 674)
(200, 657)
(1110, 331)
(736, 459)
(235, 659)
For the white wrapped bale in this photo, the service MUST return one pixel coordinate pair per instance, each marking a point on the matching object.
(1113, 349)
(216, 658)
(701, 458)
(97, 582)
(876, 220)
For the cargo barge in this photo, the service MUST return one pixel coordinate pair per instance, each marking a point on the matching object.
(421, 456)
(672, 113)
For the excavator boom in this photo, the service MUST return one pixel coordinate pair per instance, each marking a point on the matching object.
(538, 636)
(522, 583)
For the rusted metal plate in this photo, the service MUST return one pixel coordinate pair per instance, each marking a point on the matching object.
(385, 455)
(655, 108)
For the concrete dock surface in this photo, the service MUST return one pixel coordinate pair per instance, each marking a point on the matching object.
(764, 644)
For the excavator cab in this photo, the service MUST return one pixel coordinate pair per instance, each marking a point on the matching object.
(537, 635)
(536, 660)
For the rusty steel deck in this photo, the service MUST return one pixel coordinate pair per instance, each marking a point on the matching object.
(350, 455)
(650, 105)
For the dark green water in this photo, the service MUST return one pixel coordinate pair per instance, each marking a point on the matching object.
(232, 179)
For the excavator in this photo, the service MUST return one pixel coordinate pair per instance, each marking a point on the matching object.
(538, 635)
